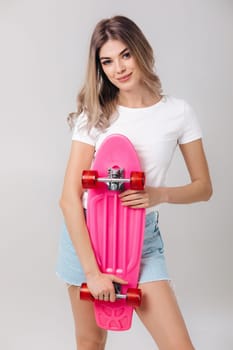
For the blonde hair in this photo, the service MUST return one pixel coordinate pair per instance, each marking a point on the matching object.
(98, 97)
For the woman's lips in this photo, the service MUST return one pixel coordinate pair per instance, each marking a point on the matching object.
(124, 78)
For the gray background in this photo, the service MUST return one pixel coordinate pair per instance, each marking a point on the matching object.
(43, 55)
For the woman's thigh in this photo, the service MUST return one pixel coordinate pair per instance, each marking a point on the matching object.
(88, 334)
(161, 315)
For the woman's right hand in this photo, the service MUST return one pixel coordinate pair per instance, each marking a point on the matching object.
(101, 286)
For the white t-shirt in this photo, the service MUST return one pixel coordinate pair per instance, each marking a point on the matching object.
(154, 131)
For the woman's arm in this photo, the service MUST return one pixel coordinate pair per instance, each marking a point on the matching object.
(199, 189)
(81, 156)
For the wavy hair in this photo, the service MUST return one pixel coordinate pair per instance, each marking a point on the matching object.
(98, 96)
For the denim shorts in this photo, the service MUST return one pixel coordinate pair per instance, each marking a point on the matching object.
(153, 264)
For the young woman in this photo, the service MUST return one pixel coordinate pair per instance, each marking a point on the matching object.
(122, 94)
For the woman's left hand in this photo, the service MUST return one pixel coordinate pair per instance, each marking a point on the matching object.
(149, 197)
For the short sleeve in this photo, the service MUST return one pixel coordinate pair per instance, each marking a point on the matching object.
(190, 130)
(81, 132)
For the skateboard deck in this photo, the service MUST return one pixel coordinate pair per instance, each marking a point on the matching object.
(116, 231)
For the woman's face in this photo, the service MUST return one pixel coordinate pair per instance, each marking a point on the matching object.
(119, 65)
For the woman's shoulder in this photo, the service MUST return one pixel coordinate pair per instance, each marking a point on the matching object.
(177, 106)
(175, 102)
(82, 131)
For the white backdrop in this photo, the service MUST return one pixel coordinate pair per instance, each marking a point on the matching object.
(42, 63)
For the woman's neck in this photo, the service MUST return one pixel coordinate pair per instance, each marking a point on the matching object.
(137, 99)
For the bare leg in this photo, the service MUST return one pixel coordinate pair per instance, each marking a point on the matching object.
(88, 335)
(161, 316)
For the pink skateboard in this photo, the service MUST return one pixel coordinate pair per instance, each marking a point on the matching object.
(116, 232)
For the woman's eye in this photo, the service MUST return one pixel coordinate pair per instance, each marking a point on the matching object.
(106, 62)
(126, 55)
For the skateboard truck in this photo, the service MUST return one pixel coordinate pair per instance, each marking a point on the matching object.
(115, 180)
(133, 297)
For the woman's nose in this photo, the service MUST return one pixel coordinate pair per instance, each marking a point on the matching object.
(120, 67)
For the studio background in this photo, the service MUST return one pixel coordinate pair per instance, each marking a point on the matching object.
(42, 64)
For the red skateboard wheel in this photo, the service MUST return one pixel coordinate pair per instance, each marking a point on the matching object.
(137, 180)
(89, 178)
(85, 294)
(134, 297)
